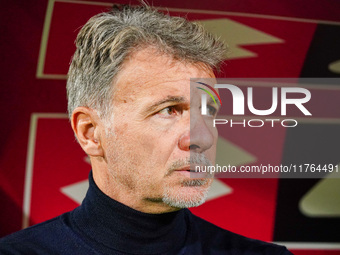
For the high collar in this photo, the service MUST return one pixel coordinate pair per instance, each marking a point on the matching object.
(110, 225)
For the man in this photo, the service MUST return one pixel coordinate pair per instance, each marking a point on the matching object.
(133, 113)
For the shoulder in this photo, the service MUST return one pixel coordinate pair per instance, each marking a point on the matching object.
(44, 238)
(215, 240)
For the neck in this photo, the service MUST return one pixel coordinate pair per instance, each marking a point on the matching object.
(114, 224)
(115, 190)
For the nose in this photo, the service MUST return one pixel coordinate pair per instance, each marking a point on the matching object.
(198, 137)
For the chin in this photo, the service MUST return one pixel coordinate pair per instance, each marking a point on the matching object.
(191, 193)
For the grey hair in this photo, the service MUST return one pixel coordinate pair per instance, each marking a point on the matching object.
(107, 39)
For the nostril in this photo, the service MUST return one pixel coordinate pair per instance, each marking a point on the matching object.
(193, 147)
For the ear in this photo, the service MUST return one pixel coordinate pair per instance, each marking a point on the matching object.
(86, 126)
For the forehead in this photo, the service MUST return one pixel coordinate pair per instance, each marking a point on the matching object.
(149, 72)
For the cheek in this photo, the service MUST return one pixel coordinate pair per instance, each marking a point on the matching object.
(158, 146)
(211, 152)
(150, 147)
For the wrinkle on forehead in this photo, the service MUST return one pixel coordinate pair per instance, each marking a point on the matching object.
(148, 68)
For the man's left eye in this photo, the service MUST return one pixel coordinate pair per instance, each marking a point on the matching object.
(212, 111)
(168, 111)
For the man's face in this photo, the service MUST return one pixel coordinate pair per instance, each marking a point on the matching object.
(156, 127)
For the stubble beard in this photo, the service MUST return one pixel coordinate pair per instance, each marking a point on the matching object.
(177, 199)
(173, 194)
(198, 189)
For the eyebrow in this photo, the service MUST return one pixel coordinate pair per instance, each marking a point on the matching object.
(210, 101)
(169, 99)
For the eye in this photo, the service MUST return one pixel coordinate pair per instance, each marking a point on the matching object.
(212, 111)
(169, 111)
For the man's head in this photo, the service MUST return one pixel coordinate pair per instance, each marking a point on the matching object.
(132, 111)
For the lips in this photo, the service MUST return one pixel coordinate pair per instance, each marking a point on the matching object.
(191, 172)
(190, 169)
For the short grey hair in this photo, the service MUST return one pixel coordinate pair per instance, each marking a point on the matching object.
(107, 39)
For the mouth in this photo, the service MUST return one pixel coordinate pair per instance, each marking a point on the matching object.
(194, 171)
(190, 169)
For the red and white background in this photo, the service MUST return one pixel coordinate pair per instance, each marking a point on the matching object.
(43, 171)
